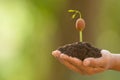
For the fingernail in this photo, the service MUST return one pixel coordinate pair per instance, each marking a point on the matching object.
(62, 56)
(86, 63)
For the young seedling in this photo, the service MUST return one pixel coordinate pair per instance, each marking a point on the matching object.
(80, 50)
(80, 23)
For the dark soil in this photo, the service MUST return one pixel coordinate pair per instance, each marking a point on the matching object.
(80, 50)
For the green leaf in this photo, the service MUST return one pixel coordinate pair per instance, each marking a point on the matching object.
(73, 16)
(75, 13)
(71, 10)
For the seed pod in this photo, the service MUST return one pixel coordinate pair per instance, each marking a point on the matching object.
(80, 24)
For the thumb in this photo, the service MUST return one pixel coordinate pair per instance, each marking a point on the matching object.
(92, 62)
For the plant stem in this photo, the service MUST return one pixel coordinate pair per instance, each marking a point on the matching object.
(78, 13)
(80, 34)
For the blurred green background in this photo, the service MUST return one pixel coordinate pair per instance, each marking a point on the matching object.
(31, 29)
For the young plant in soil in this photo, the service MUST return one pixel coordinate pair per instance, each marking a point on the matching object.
(80, 23)
(80, 50)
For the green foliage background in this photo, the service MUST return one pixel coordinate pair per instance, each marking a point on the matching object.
(31, 29)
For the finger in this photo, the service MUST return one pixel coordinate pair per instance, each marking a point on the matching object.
(89, 71)
(56, 53)
(98, 70)
(86, 62)
(74, 61)
(71, 66)
(71, 60)
(67, 64)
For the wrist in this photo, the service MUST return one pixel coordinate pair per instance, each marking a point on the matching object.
(115, 62)
(107, 59)
(112, 62)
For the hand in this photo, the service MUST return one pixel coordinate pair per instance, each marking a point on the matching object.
(87, 67)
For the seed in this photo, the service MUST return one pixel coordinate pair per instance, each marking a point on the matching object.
(80, 24)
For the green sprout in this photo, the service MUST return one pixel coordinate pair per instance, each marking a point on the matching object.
(80, 23)
(75, 13)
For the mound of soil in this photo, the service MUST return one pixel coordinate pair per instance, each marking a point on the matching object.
(81, 50)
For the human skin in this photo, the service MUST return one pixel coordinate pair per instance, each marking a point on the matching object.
(90, 66)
